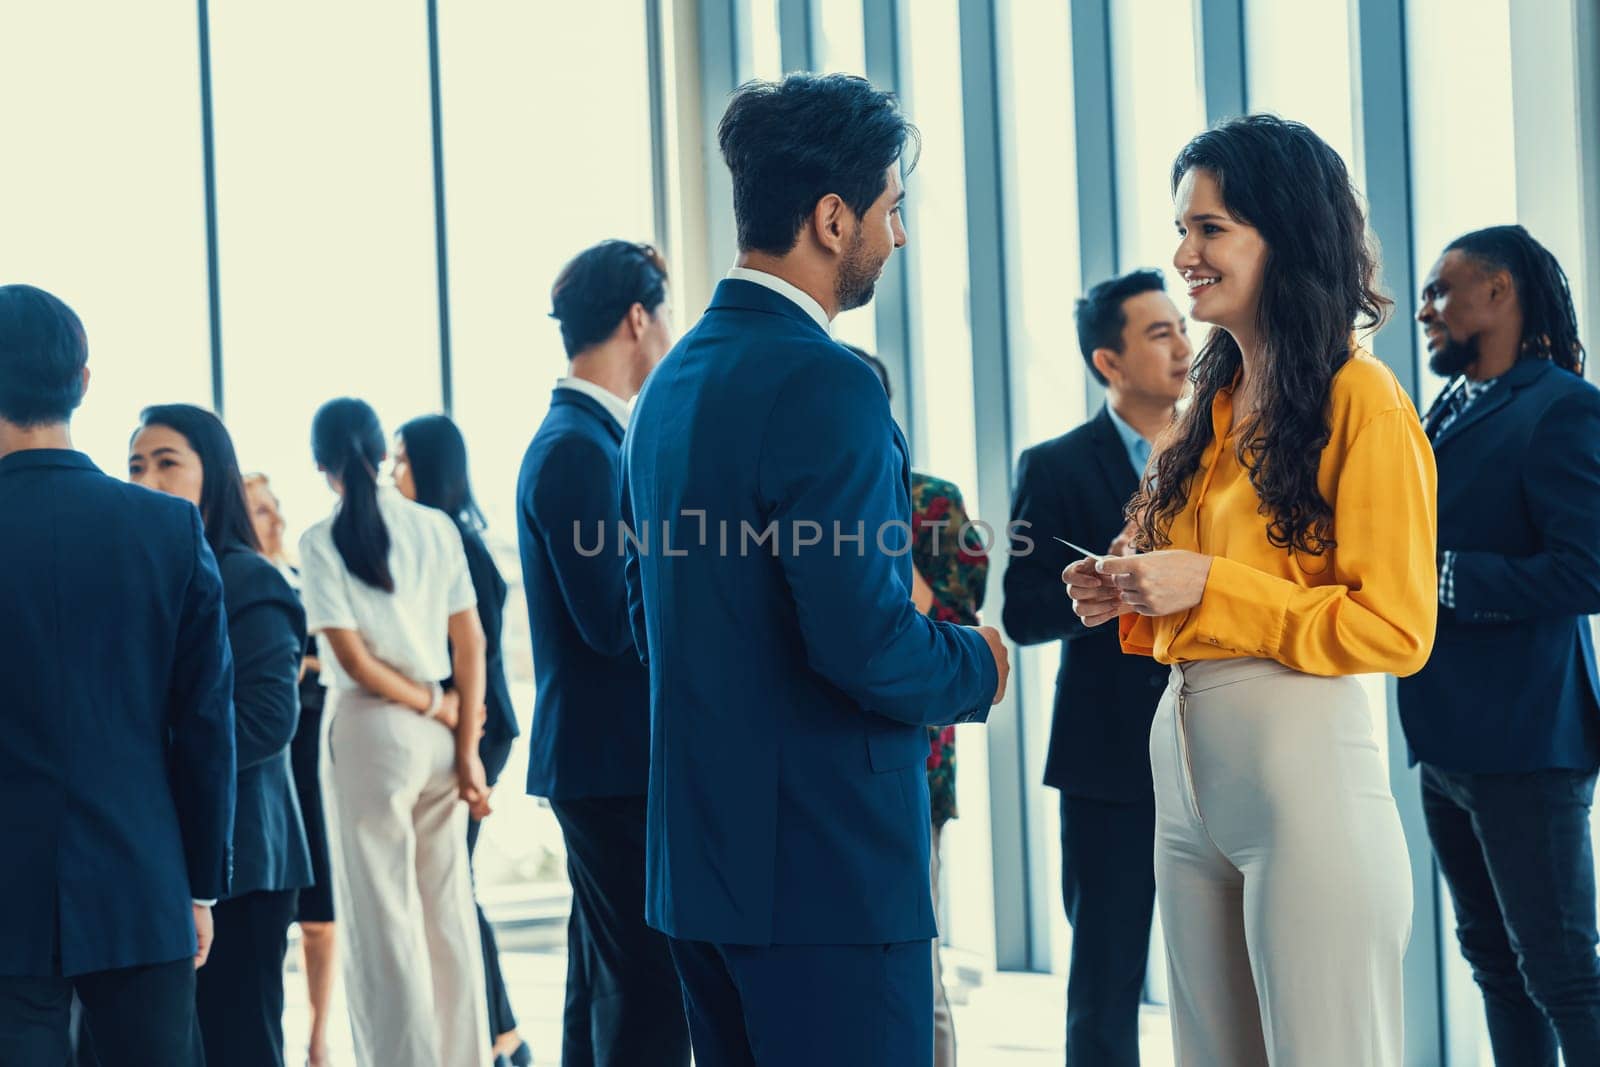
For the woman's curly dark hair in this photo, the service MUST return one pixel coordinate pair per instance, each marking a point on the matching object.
(1317, 285)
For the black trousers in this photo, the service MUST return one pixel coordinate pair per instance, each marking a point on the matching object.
(501, 1018)
(239, 992)
(138, 1016)
(624, 1005)
(1516, 854)
(1108, 885)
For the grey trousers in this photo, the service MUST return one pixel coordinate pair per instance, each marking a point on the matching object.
(1281, 870)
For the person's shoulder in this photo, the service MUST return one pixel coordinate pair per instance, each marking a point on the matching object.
(250, 578)
(1365, 388)
(1062, 447)
(927, 487)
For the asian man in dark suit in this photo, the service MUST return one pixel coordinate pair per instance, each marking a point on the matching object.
(589, 747)
(791, 675)
(116, 731)
(1075, 487)
(1505, 717)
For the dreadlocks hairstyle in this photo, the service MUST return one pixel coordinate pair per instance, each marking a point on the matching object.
(1317, 284)
(1549, 321)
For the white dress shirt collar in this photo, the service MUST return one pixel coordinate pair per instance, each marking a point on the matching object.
(785, 289)
(614, 404)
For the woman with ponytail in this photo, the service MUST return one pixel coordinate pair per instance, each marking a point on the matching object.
(1286, 534)
(386, 584)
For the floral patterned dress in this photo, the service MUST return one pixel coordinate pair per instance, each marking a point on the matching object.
(954, 563)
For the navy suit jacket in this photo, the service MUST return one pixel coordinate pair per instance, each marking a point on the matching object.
(790, 681)
(267, 632)
(1511, 685)
(116, 728)
(1075, 487)
(591, 718)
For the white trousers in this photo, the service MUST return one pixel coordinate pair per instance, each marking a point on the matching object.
(413, 963)
(1281, 870)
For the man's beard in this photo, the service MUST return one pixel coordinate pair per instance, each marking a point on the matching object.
(858, 275)
(1454, 357)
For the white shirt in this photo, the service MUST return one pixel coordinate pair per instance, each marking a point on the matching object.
(408, 628)
(613, 403)
(784, 289)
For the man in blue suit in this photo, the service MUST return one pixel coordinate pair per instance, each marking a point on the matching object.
(1505, 718)
(116, 730)
(769, 576)
(589, 748)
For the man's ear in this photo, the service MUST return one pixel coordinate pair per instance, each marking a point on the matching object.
(1501, 285)
(83, 388)
(830, 223)
(1109, 363)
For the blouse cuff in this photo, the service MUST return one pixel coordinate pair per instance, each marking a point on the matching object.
(1242, 610)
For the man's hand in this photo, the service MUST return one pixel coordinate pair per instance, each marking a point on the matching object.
(1156, 583)
(1002, 659)
(473, 784)
(202, 934)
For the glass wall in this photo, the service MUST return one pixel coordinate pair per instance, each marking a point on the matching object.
(840, 43)
(326, 227)
(1047, 372)
(1157, 106)
(946, 445)
(104, 201)
(1298, 63)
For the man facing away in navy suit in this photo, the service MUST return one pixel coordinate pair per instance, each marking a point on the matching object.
(589, 749)
(1505, 717)
(116, 728)
(1075, 487)
(769, 578)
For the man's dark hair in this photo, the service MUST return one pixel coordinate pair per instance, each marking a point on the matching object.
(594, 291)
(1100, 316)
(1549, 321)
(878, 366)
(43, 351)
(791, 143)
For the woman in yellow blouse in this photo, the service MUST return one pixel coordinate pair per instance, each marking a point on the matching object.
(1287, 543)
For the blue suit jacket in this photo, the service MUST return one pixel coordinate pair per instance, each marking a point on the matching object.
(790, 680)
(267, 632)
(1075, 486)
(116, 731)
(1511, 685)
(591, 718)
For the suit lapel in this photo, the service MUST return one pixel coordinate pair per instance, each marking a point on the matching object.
(1120, 477)
(1519, 376)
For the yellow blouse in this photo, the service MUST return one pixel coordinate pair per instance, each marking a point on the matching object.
(1370, 604)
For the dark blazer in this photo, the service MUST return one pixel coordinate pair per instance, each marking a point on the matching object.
(1075, 487)
(591, 715)
(116, 730)
(1511, 685)
(267, 631)
(789, 684)
(500, 724)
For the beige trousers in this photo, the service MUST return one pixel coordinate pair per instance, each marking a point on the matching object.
(413, 964)
(1281, 870)
(944, 1027)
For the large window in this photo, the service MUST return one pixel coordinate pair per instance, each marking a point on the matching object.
(325, 215)
(1158, 106)
(1047, 373)
(104, 201)
(936, 226)
(841, 47)
(1299, 62)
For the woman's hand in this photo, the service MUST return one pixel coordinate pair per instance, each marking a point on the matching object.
(473, 784)
(449, 711)
(1094, 597)
(1155, 583)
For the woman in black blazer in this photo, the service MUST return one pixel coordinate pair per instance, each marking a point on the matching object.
(430, 467)
(185, 451)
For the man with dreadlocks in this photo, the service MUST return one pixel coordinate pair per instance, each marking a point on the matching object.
(1505, 717)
